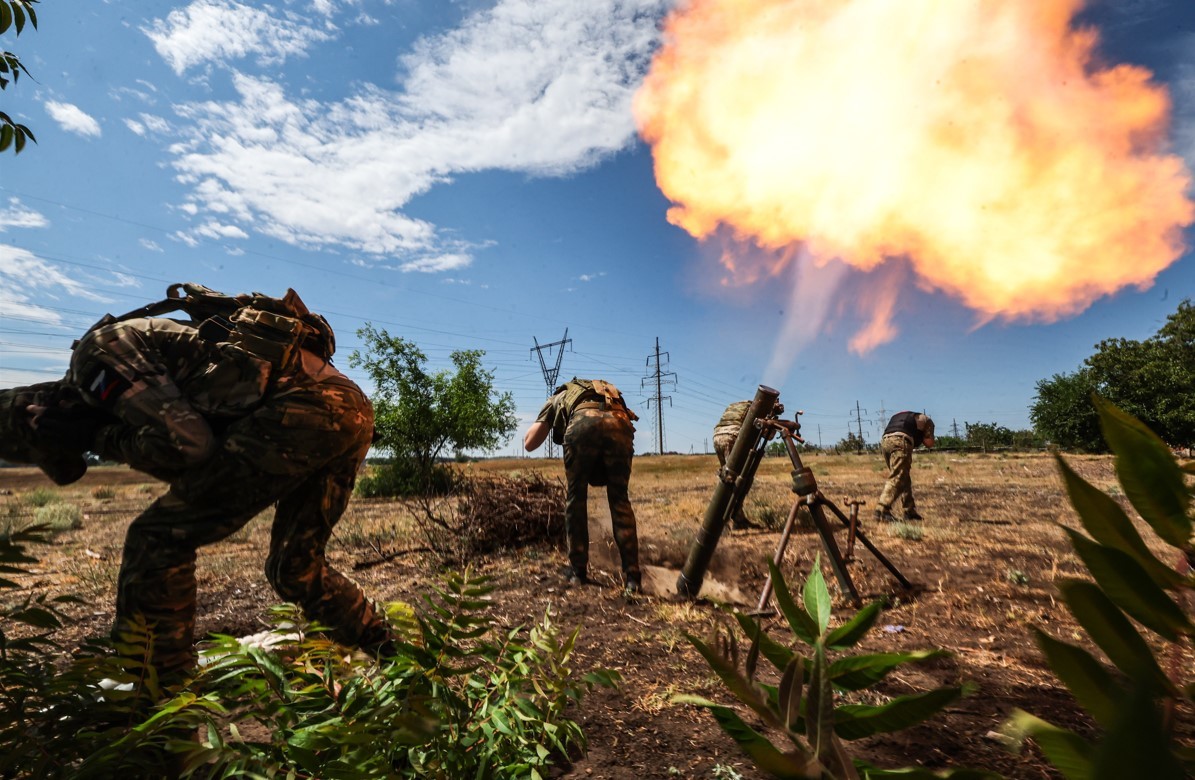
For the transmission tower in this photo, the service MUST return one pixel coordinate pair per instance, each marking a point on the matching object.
(659, 378)
(859, 422)
(551, 374)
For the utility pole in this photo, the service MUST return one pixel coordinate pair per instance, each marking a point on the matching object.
(859, 422)
(550, 375)
(659, 377)
(954, 427)
(882, 416)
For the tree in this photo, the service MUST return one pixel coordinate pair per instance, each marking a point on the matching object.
(14, 14)
(985, 435)
(418, 415)
(1063, 412)
(1153, 380)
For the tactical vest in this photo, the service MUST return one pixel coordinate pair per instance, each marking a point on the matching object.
(268, 328)
(581, 391)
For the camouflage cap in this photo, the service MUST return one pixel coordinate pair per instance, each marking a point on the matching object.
(19, 442)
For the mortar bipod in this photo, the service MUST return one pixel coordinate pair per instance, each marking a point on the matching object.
(808, 495)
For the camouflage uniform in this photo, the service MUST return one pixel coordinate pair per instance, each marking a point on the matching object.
(905, 432)
(726, 432)
(231, 439)
(599, 442)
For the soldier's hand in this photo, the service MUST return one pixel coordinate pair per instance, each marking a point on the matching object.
(68, 427)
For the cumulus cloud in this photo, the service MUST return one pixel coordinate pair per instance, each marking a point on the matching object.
(541, 87)
(438, 263)
(151, 245)
(207, 31)
(591, 277)
(73, 119)
(18, 215)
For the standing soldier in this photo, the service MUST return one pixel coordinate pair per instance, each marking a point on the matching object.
(236, 418)
(591, 420)
(726, 432)
(906, 432)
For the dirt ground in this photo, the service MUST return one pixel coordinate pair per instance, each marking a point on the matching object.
(984, 562)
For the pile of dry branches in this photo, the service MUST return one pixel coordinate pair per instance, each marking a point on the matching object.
(487, 514)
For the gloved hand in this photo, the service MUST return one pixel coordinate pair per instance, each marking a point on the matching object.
(72, 427)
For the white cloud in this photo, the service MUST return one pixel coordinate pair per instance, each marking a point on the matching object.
(18, 215)
(24, 274)
(134, 125)
(591, 277)
(150, 245)
(212, 229)
(541, 87)
(438, 263)
(73, 119)
(207, 31)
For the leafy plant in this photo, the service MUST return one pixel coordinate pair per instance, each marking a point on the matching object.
(14, 14)
(59, 516)
(41, 496)
(1132, 589)
(802, 708)
(457, 697)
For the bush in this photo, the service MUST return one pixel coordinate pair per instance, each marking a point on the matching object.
(1134, 706)
(59, 517)
(103, 492)
(42, 496)
(801, 709)
(403, 478)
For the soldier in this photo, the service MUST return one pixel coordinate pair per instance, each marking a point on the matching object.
(591, 420)
(906, 432)
(232, 433)
(726, 432)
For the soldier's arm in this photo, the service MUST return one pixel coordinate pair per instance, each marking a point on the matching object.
(157, 431)
(535, 435)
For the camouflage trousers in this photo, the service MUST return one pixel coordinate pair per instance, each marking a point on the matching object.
(300, 452)
(598, 447)
(898, 457)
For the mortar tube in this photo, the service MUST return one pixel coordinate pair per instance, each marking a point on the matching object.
(701, 552)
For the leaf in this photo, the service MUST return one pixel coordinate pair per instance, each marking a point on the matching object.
(778, 654)
(1108, 524)
(854, 721)
(849, 633)
(803, 627)
(5, 16)
(1111, 630)
(793, 765)
(817, 597)
(791, 683)
(735, 682)
(819, 707)
(857, 672)
(18, 16)
(1066, 750)
(1137, 745)
(1148, 473)
(1085, 677)
(1131, 588)
(6, 134)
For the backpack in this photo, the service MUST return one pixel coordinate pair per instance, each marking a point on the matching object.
(268, 328)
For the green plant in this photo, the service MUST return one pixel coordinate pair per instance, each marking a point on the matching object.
(1017, 577)
(42, 496)
(802, 708)
(457, 697)
(1134, 709)
(103, 492)
(59, 517)
(908, 531)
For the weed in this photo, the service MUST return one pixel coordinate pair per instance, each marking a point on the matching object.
(103, 492)
(60, 517)
(1018, 577)
(911, 532)
(42, 496)
(724, 772)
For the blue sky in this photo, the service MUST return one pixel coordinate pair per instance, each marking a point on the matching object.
(468, 174)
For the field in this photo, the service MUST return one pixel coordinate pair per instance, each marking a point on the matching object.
(984, 561)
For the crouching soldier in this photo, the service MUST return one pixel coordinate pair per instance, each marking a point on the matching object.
(236, 420)
(591, 420)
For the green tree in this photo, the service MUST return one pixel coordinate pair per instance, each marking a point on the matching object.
(1154, 379)
(14, 14)
(987, 435)
(1062, 411)
(419, 415)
